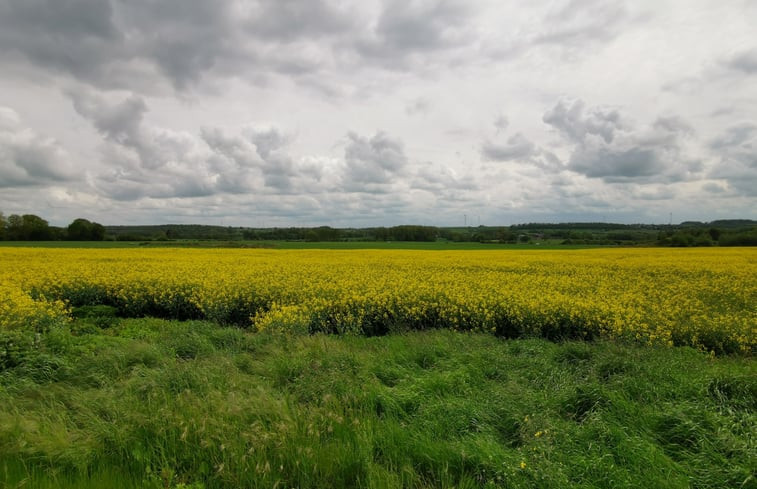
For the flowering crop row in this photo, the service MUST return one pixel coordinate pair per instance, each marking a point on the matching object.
(705, 298)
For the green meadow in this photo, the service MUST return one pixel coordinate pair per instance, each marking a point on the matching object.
(109, 402)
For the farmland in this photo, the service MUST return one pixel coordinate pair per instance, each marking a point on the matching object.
(700, 298)
(377, 368)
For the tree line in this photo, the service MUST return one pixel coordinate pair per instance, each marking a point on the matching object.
(742, 232)
(29, 227)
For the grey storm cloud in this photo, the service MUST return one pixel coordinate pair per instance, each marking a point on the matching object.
(744, 62)
(74, 36)
(405, 29)
(145, 45)
(617, 164)
(119, 122)
(378, 160)
(736, 149)
(739, 135)
(606, 146)
(217, 108)
(290, 20)
(517, 147)
(574, 122)
(28, 158)
(128, 44)
(142, 44)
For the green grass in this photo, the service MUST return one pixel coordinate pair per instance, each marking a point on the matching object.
(69, 244)
(126, 403)
(297, 245)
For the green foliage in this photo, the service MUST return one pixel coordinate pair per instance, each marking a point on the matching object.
(28, 228)
(742, 238)
(83, 230)
(160, 404)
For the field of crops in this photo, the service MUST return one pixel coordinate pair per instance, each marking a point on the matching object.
(704, 297)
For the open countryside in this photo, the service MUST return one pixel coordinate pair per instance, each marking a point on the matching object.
(377, 368)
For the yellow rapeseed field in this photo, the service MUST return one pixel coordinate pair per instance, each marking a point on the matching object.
(701, 297)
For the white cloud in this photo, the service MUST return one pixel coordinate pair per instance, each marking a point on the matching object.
(28, 158)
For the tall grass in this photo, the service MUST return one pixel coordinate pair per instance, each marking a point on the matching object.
(148, 403)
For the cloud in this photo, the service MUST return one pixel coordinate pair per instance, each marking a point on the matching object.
(736, 136)
(574, 122)
(372, 163)
(411, 32)
(278, 167)
(617, 164)
(441, 179)
(74, 36)
(674, 125)
(258, 159)
(420, 105)
(120, 122)
(568, 30)
(290, 20)
(28, 158)
(744, 62)
(607, 146)
(501, 122)
(736, 149)
(141, 160)
(153, 46)
(518, 147)
(143, 44)
(579, 22)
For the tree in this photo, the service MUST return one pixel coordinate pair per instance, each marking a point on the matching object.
(35, 228)
(3, 225)
(84, 230)
(79, 230)
(28, 228)
(14, 227)
(97, 232)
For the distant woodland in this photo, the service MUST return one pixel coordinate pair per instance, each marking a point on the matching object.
(732, 232)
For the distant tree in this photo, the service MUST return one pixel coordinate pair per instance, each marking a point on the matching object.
(79, 230)
(97, 231)
(14, 227)
(3, 225)
(36, 228)
(84, 230)
(739, 238)
(714, 234)
(506, 236)
(28, 228)
(682, 239)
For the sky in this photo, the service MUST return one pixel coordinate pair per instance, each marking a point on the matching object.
(365, 113)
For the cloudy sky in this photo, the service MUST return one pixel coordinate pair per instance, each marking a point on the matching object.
(378, 112)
